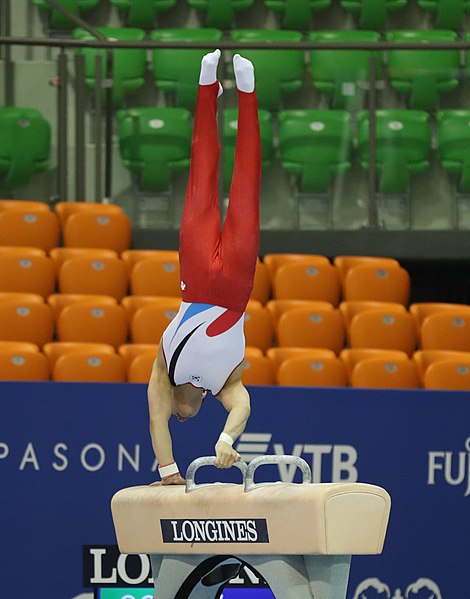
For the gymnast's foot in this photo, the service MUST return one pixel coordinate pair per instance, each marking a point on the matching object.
(244, 74)
(208, 75)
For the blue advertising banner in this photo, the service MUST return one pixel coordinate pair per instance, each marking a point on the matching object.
(66, 448)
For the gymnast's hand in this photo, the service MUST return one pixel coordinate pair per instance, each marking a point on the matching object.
(174, 479)
(226, 455)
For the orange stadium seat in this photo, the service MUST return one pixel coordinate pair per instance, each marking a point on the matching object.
(33, 274)
(278, 355)
(131, 257)
(312, 328)
(377, 283)
(36, 228)
(425, 357)
(274, 261)
(149, 322)
(259, 327)
(20, 365)
(446, 330)
(26, 321)
(349, 309)
(261, 284)
(98, 230)
(56, 349)
(317, 372)
(344, 263)
(351, 356)
(66, 209)
(156, 276)
(257, 371)
(385, 373)
(59, 301)
(307, 282)
(27, 205)
(23, 251)
(129, 351)
(420, 310)
(277, 307)
(19, 346)
(96, 323)
(89, 367)
(132, 303)
(60, 255)
(87, 275)
(380, 329)
(448, 374)
(21, 296)
(140, 368)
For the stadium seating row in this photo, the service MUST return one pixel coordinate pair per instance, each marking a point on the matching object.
(292, 13)
(370, 368)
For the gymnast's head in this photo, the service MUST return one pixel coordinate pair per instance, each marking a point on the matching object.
(187, 401)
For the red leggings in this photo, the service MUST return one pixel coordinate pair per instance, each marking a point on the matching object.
(218, 267)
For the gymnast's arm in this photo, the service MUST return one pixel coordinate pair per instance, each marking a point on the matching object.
(236, 401)
(160, 410)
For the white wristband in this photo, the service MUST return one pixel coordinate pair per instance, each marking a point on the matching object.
(227, 438)
(168, 470)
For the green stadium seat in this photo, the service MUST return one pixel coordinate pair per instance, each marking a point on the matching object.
(449, 13)
(220, 13)
(315, 146)
(454, 144)
(403, 146)
(296, 14)
(57, 19)
(337, 73)
(128, 65)
(278, 72)
(372, 13)
(155, 143)
(423, 75)
(230, 136)
(177, 70)
(142, 13)
(24, 145)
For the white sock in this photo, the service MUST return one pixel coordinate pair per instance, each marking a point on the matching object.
(208, 74)
(244, 74)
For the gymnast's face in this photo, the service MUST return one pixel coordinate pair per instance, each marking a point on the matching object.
(187, 401)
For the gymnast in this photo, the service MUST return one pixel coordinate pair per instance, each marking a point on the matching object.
(203, 347)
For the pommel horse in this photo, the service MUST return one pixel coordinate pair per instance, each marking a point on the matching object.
(298, 537)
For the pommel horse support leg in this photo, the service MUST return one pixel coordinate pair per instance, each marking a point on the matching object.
(299, 537)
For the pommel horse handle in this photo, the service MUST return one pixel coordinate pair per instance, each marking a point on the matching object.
(275, 459)
(206, 461)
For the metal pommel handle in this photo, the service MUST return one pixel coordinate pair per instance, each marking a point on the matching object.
(276, 459)
(206, 461)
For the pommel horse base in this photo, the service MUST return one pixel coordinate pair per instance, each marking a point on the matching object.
(298, 537)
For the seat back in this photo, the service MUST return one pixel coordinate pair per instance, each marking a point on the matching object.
(301, 281)
(34, 274)
(22, 228)
(421, 310)
(142, 13)
(28, 205)
(130, 351)
(317, 372)
(149, 323)
(403, 146)
(96, 323)
(296, 14)
(372, 13)
(423, 358)
(106, 276)
(258, 327)
(453, 144)
(131, 257)
(385, 373)
(381, 329)
(66, 209)
(352, 356)
(155, 143)
(59, 301)
(24, 145)
(448, 14)
(60, 255)
(257, 371)
(340, 74)
(311, 328)
(56, 349)
(275, 261)
(156, 276)
(315, 146)
(111, 231)
(423, 76)
(278, 72)
(26, 321)
(129, 65)
(446, 330)
(132, 303)
(261, 291)
(220, 13)
(277, 307)
(140, 368)
(58, 20)
(174, 68)
(344, 263)
(89, 367)
(349, 309)
(20, 365)
(451, 374)
(278, 355)
(371, 283)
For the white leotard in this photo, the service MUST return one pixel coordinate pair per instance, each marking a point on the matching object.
(203, 345)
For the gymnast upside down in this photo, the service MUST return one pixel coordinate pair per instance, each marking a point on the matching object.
(203, 347)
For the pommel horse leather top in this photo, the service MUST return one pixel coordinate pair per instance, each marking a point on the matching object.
(250, 518)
